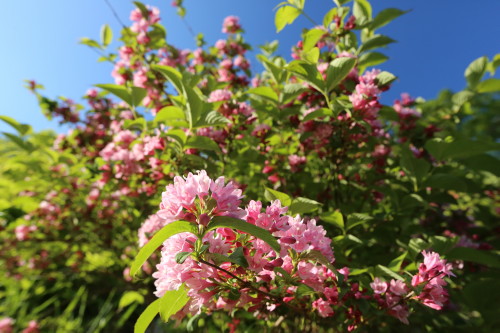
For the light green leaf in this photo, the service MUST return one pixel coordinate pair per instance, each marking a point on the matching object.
(285, 15)
(201, 143)
(384, 78)
(117, 90)
(173, 301)
(106, 35)
(356, 219)
(130, 297)
(362, 10)
(138, 95)
(147, 317)
(303, 205)
(475, 71)
(338, 70)
(375, 42)
(90, 42)
(323, 112)
(372, 59)
(311, 38)
(233, 223)
(311, 56)
(22, 129)
(334, 218)
(169, 113)
(488, 86)
(284, 198)
(266, 92)
(165, 233)
(386, 16)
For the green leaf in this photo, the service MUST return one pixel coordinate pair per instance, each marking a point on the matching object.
(285, 15)
(201, 143)
(311, 38)
(317, 256)
(334, 218)
(446, 181)
(147, 317)
(383, 270)
(171, 74)
(375, 42)
(488, 86)
(416, 167)
(311, 56)
(173, 301)
(266, 92)
(362, 10)
(323, 112)
(117, 90)
(106, 35)
(463, 148)
(138, 95)
(238, 257)
(144, 10)
(284, 198)
(356, 219)
(22, 129)
(478, 256)
(436, 148)
(233, 223)
(307, 72)
(169, 114)
(181, 257)
(90, 42)
(212, 118)
(135, 124)
(386, 16)
(395, 264)
(384, 78)
(303, 205)
(130, 297)
(338, 70)
(475, 71)
(165, 233)
(372, 59)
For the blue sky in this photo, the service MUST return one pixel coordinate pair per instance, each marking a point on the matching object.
(436, 42)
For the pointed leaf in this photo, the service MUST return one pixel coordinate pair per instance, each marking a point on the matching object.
(147, 317)
(162, 235)
(233, 223)
(173, 301)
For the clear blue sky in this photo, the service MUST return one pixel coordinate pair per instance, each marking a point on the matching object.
(436, 41)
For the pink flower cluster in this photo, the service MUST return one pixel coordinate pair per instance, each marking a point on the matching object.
(231, 25)
(429, 280)
(365, 96)
(197, 199)
(7, 326)
(431, 273)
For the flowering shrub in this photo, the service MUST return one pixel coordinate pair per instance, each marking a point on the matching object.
(341, 193)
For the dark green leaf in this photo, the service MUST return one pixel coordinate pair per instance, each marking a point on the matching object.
(372, 59)
(238, 257)
(383, 270)
(376, 42)
(201, 143)
(323, 112)
(181, 257)
(478, 256)
(334, 218)
(119, 91)
(315, 255)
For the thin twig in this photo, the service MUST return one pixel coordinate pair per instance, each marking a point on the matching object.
(115, 14)
(188, 27)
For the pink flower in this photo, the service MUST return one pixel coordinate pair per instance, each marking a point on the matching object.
(32, 327)
(323, 307)
(6, 325)
(398, 287)
(231, 24)
(378, 286)
(22, 231)
(220, 95)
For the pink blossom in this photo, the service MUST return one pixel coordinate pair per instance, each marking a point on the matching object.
(152, 224)
(32, 327)
(323, 307)
(6, 325)
(378, 286)
(22, 231)
(220, 95)
(231, 24)
(398, 287)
